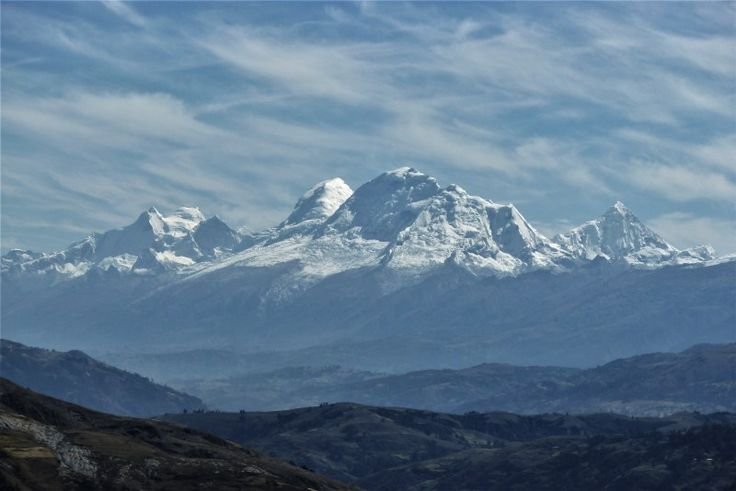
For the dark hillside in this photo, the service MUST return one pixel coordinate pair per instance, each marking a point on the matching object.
(76, 377)
(47, 444)
(394, 448)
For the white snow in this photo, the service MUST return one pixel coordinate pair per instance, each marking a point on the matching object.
(402, 221)
(168, 258)
(620, 236)
(183, 221)
(320, 201)
(72, 270)
(122, 263)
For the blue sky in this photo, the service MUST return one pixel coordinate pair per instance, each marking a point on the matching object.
(238, 108)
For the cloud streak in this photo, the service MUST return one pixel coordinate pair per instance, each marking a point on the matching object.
(686, 230)
(238, 110)
(125, 11)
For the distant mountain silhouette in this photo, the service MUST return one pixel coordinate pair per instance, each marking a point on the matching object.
(702, 378)
(75, 377)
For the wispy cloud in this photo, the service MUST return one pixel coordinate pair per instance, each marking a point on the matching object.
(682, 184)
(686, 230)
(125, 11)
(109, 119)
(306, 69)
(238, 109)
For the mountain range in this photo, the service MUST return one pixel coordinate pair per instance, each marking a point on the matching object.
(402, 272)
(402, 219)
(701, 378)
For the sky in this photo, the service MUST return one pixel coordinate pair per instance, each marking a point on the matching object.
(109, 108)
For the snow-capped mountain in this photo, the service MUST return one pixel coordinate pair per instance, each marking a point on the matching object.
(320, 202)
(618, 235)
(152, 243)
(424, 225)
(402, 220)
(384, 265)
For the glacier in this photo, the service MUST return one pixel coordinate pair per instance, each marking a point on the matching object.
(328, 276)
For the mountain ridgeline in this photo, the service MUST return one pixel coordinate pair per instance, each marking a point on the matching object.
(401, 274)
(50, 445)
(702, 378)
(77, 378)
(392, 448)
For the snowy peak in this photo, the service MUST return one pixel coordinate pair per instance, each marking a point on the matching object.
(184, 220)
(380, 208)
(148, 221)
(514, 234)
(477, 234)
(213, 235)
(618, 208)
(132, 239)
(402, 221)
(320, 201)
(179, 223)
(617, 235)
(185, 233)
(171, 242)
(190, 214)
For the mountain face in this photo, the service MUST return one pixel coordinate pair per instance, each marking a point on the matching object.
(400, 220)
(393, 448)
(320, 202)
(153, 243)
(618, 235)
(384, 261)
(52, 445)
(75, 377)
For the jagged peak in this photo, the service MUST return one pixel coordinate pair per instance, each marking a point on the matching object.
(151, 218)
(618, 209)
(192, 213)
(212, 223)
(619, 205)
(383, 206)
(617, 234)
(146, 215)
(320, 201)
(213, 219)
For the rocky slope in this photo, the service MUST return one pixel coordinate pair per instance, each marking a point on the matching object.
(50, 445)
